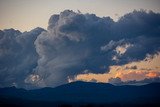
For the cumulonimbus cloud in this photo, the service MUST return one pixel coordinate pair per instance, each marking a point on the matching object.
(75, 42)
(18, 56)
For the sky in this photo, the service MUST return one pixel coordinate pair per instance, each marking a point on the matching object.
(23, 14)
(53, 42)
(137, 70)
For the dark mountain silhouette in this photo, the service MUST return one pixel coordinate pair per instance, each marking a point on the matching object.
(83, 94)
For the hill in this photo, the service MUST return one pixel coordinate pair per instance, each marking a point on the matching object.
(83, 94)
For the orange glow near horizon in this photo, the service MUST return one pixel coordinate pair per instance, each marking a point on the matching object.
(147, 68)
(153, 74)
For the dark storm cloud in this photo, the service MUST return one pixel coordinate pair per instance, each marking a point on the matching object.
(71, 45)
(17, 56)
(76, 42)
(132, 49)
(138, 23)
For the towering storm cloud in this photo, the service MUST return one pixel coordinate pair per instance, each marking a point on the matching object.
(72, 45)
(18, 56)
(76, 43)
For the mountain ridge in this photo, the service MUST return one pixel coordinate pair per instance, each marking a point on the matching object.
(83, 93)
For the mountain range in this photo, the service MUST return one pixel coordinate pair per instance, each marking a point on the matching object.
(84, 94)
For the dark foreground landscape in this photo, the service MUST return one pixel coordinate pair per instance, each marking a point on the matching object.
(83, 94)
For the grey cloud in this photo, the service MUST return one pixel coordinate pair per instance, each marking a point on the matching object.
(131, 67)
(138, 23)
(17, 56)
(75, 42)
(112, 45)
(117, 81)
(139, 48)
(70, 46)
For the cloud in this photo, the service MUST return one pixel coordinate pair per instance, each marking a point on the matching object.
(133, 71)
(117, 81)
(137, 75)
(137, 23)
(32, 79)
(122, 49)
(112, 44)
(73, 43)
(132, 67)
(18, 56)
